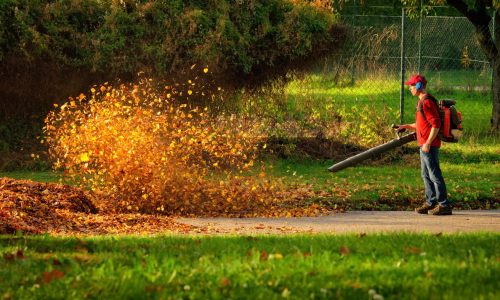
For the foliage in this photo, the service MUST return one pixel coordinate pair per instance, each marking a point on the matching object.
(36, 208)
(162, 37)
(365, 266)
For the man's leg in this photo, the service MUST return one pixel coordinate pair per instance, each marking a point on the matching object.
(436, 177)
(430, 191)
(444, 207)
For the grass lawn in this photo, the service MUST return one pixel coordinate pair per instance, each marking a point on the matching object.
(317, 92)
(468, 183)
(46, 176)
(393, 266)
(471, 167)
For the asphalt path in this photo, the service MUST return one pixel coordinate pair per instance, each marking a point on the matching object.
(356, 222)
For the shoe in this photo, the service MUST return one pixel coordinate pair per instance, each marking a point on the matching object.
(441, 210)
(424, 208)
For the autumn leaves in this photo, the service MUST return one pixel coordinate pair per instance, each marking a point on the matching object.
(144, 150)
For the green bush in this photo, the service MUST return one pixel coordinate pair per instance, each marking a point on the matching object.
(164, 37)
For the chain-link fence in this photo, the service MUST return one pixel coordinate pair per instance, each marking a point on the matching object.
(384, 49)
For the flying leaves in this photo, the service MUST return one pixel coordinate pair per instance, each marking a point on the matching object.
(144, 151)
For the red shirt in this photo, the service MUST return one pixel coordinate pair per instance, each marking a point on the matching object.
(430, 109)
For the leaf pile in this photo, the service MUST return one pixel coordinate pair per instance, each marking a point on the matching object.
(34, 207)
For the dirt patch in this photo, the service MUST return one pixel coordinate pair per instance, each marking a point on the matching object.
(312, 147)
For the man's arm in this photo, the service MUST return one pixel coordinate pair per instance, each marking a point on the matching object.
(412, 126)
(431, 112)
(432, 135)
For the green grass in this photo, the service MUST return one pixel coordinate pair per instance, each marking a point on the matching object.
(471, 167)
(471, 171)
(46, 176)
(395, 266)
(469, 185)
(317, 92)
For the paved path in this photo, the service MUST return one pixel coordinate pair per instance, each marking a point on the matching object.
(357, 222)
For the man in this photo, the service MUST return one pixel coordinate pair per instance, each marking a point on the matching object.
(427, 124)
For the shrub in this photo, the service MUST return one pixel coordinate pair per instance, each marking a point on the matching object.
(121, 38)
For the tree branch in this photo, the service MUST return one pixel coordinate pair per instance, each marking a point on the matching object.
(480, 18)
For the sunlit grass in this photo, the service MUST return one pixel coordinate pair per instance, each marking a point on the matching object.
(47, 176)
(398, 181)
(320, 93)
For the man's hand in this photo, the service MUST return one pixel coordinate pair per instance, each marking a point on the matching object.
(426, 148)
(404, 126)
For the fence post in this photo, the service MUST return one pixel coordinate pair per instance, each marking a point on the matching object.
(420, 38)
(493, 63)
(402, 89)
(353, 22)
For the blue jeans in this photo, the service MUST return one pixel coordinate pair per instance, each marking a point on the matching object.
(435, 188)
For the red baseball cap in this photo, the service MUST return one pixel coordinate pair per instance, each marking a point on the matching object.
(416, 78)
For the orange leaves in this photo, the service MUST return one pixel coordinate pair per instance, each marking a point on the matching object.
(413, 250)
(144, 152)
(159, 159)
(344, 250)
(225, 282)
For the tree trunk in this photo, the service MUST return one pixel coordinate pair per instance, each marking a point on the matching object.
(495, 116)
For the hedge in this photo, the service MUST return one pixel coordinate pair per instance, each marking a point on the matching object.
(236, 37)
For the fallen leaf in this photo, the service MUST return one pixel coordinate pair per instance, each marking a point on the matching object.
(413, 250)
(344, 250)
(225, 282)
(9, 256)
(263, 255)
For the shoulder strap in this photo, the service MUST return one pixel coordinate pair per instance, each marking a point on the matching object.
(420, 107)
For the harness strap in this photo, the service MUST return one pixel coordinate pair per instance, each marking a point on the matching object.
(420, 107)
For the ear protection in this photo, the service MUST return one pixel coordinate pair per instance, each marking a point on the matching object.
(419, 86)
